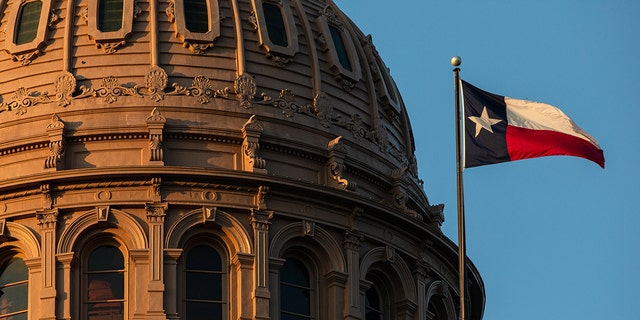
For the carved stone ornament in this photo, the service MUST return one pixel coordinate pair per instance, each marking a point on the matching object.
(245, 88)
(26, 58)
(156, 81)
(65, 85)
(23, 99)
(337, 153)
(330, 15)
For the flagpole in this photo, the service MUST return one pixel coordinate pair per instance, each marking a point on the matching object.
(462, 250)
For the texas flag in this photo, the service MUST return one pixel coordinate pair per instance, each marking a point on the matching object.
(500, 129)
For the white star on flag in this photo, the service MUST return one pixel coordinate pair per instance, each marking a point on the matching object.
(483, 121)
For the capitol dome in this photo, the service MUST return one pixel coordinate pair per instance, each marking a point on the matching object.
(226, 159)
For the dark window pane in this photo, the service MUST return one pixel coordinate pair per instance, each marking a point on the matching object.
(105, 310)
(106, 258)
(294, 272)
(14, 270)
(196, 15)
(203, 311)
(28, 21)
(341, 49)
(14, 289)
(14, 298)
(110, 15)
(204, 286)
(105, 286)
(295, 292)
(275, 24)
(289, 316)
(372, 305)
(295, 299)
(204, 258)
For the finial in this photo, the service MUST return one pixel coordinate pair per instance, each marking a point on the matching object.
(456, 61)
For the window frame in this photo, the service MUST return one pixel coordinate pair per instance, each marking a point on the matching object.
(220, 248)
(324, 21)
(263, 31)
(314, 286)
(197, 42)
(91, 247)
(110, 40)
(27, 51)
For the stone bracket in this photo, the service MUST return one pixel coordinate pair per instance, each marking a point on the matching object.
(251, 132)
(335, 165)
(155, 124)
(57, 142)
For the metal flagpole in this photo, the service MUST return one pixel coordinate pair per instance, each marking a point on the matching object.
(462, 250)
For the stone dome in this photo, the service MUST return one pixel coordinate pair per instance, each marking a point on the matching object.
(237, 104)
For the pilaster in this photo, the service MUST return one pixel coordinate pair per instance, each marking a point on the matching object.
(47, 220)
(65, 293)
(155, 219)
(351, 243)
(260, 220)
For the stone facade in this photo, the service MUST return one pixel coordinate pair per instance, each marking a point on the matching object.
(155, 141)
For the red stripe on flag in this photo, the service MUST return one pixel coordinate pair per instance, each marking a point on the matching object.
(527, 143)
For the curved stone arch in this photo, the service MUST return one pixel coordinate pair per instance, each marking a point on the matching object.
(120, 219)
(321, 239)
(27, 241)
(439, 288)
(407, 286)
(237, 236)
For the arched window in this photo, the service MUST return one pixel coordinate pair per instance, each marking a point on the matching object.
(205, 279)
(372, 305)
(277, 33)
(28, 21)
(14, 290)
(275, 24)
(341, 49)
(436, 311)
(105, 274)
(295, 291)
(110, 15)
(196, 15)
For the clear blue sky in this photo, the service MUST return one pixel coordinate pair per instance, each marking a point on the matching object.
(554, 238)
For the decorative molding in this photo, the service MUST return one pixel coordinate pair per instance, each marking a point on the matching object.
(47, 219)
(155, 124)
(308, 228)
(209, 214)
(335, 164)
(399, 194)
(251, 132)
(102, 213)
(57, 143)
(110, 41)
(260, 198)
(245, 88)
(245, 91)
(156, 212)
(27, 52)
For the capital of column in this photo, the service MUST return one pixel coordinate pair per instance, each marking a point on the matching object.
(47, 219)
(156, 212)
(261, 219)
(352, 239)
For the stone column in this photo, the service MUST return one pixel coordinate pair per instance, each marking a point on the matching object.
(155, 218)
(67, 260)
(138, 299)
(243, 306)
(171, 257)
(420, 272)
(260, 220)
(47, 220)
